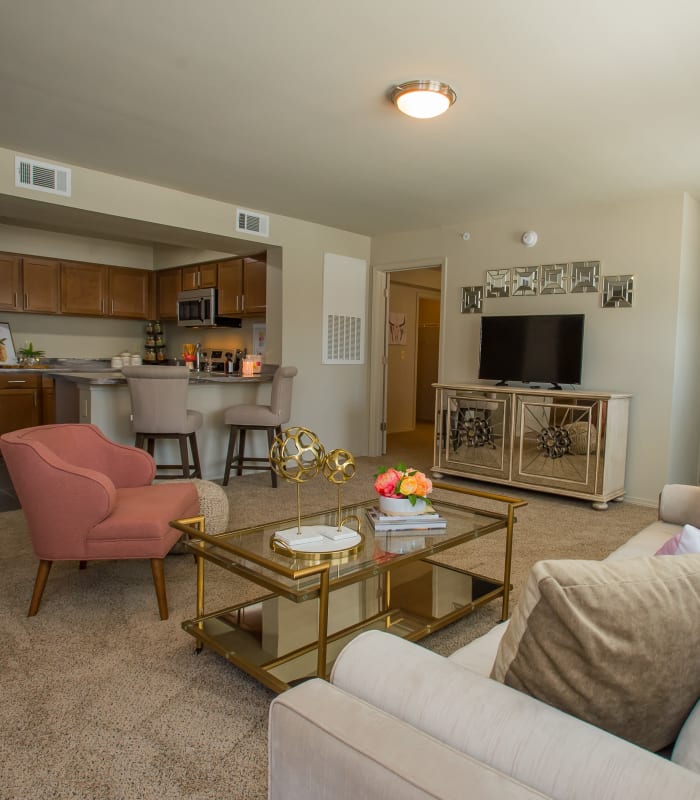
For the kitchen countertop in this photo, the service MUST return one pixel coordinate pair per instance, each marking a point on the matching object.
(115, 377)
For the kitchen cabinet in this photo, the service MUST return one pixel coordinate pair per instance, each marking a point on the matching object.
(48, 400)
(84, 289)
(128, 293)
(20, 401)
(168, 285)
(41, 279)
(568, 443)
(100, 291)
(10, 285)
(243, 287)
(199, 276)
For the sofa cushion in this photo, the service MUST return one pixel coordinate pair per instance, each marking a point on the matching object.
(615, 643)
(687, 541)
(686, 751)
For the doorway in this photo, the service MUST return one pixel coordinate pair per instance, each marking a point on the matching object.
(412, 357)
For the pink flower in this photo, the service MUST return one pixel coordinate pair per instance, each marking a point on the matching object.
(386, 483)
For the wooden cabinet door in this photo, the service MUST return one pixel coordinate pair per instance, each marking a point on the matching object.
(169, 284)
(41, 279)
(10, 295)
(190, 277)
(230, 291)
(254, 286)
(128, 293)
(48, 400)
(19, 402)
(84, 289)
(208, 275)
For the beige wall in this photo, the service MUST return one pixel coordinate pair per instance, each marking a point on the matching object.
(329, 399)
(627, 350)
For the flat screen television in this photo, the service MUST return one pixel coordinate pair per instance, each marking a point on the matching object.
(532, 348)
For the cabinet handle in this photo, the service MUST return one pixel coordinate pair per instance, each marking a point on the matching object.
(242, 302)
(17, 381)
(14, 299)
(112, 311)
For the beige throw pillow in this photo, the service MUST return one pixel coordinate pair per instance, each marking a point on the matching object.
(614, 643)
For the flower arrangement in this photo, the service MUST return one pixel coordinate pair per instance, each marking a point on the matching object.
(403, 482)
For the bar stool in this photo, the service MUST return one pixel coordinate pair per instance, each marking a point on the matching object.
(250, 417)
(159, 411)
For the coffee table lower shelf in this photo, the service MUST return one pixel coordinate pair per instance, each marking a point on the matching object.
(276, 640)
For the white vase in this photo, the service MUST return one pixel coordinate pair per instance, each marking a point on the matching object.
(401, 506)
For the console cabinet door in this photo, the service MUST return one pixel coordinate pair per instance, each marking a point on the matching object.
(169, 285)
(41, 279)
(473, 433)
(556, 443)
(10, 294)
(128, 293)
(84, 289)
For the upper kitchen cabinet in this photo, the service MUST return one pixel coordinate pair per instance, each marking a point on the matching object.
(100, 291)
(128, 293)
(199, 276)
(84, 289)
(243, 287)
(10, 285)
(41, 285)
(169, 284)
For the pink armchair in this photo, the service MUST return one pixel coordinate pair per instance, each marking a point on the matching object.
(87, 498)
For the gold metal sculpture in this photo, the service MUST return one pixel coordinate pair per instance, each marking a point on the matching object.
(338, 468)
(297, 456)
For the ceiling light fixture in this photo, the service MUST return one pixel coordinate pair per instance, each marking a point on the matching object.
(423, 99)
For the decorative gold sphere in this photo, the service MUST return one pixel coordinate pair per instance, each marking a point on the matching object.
(339, 466)
(297, 455)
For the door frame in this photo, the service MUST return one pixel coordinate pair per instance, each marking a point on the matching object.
(378, 342)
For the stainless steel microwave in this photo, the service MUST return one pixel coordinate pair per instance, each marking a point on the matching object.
(197, 308)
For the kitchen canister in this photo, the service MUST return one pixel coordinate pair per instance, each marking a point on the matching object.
(117, 362)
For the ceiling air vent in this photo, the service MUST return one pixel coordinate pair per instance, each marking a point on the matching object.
(252, 222)
(33, 174)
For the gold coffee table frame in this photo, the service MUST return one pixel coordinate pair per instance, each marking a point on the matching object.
(247, 553)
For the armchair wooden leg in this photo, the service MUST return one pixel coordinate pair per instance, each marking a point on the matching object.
(195, 455)
(82, 564)
(184, 456)
(159, 583)
(42, 574)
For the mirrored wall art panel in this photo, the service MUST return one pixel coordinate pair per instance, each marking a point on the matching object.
(585, 276)
(525, 281)
(472, 297)
(553, 278)
(498, 282)
(617, 291)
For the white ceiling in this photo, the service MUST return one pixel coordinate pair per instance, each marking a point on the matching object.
(280, 105)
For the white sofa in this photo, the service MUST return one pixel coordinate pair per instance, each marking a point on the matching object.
(398, 721)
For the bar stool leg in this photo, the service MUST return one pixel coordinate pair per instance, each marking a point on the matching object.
(241, 451)
(233, 435)
(184, 455)
(195, 455)
(270, 439)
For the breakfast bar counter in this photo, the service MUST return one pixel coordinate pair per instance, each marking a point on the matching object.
(102, 398)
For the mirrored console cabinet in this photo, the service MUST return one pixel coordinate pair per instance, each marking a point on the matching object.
(564, 442)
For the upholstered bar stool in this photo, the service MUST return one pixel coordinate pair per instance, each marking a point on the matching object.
(250, 417)
(159, 411)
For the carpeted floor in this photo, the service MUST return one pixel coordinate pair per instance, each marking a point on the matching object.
(100, 699)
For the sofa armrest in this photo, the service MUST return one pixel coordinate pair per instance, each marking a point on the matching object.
(680, 504)
(324, 743)
(542, 747)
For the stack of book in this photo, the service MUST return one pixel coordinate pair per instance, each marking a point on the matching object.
(415, 522)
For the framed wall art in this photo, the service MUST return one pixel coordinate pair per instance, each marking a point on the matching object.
(472, 299)
(525, 281)
(553, 278)
(585, 276)
(617, 291)
(498, 282)
(8, 354)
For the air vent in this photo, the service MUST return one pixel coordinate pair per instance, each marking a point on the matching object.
(252, 222)
(33, 174)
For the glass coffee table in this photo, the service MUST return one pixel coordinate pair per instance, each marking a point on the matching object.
(313, 605)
